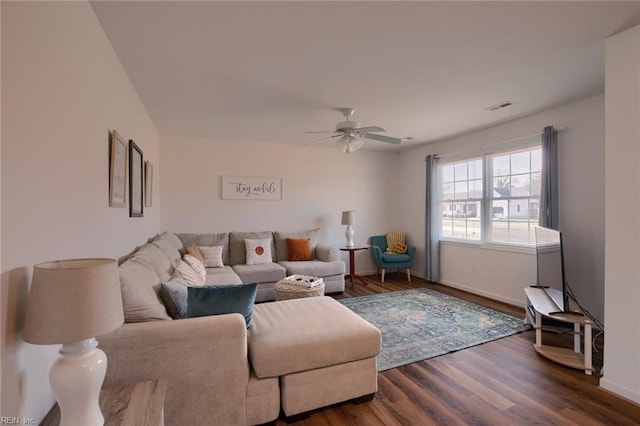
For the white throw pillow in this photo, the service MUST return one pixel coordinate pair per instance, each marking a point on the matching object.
(258, 251)
(197, 266)
(187, 273)
(212, 256)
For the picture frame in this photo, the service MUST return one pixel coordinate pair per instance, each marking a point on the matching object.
(148, 184)
(136, 178)
(117, 170)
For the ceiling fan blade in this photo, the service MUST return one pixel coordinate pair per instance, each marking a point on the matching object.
(382, 138)
(319, 140)
(323, 131)
(370, 129)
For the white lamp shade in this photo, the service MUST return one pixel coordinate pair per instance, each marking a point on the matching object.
(72, 300)
(349, 217)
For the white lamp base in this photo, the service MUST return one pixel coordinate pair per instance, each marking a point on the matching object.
(76, 378)
(349, 234)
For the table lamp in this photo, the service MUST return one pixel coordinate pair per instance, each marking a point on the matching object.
(348, 218)
(71, 302)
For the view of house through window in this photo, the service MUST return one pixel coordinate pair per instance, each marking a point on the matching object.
(462, 199)
(491, 198)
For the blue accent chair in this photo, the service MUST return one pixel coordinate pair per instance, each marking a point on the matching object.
(390, 261)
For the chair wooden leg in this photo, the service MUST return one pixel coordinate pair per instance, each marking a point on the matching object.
(409, 274)
(382, 275)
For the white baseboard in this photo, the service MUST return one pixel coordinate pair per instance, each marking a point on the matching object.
(620, 391)
(468, 289)
(487, 294)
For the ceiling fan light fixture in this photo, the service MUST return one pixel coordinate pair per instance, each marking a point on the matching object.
(355, 143)
(350, 143)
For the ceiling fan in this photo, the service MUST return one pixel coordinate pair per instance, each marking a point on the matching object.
(352, 135)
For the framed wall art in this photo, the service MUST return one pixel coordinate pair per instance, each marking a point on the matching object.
(148, 183)
(117, 171)
(136, 177)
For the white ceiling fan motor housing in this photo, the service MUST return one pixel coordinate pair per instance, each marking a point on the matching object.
(347, 125)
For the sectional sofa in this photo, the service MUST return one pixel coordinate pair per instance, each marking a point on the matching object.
(220, 372)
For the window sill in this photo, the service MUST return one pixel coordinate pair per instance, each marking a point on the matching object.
(490, 246)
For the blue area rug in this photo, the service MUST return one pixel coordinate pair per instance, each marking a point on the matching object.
(420, 323)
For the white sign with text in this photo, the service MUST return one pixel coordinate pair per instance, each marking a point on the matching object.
(251, 188)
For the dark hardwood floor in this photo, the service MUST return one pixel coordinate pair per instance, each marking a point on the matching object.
(504, 382)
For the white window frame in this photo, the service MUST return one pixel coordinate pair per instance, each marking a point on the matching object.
(485, 204)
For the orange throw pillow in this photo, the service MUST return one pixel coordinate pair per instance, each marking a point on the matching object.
(299, 249)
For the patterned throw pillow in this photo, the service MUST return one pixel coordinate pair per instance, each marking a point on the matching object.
(196, 265)
(212, 256)
(258, 251)
(186, 272)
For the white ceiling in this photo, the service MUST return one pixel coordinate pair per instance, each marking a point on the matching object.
(270, 71)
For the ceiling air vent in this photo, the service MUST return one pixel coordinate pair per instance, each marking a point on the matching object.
(499, 106)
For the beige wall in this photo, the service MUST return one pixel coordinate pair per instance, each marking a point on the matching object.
(503, 274)
(63, 89)
(622, 260)
(319, 182)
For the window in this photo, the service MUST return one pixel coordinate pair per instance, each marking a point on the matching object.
(491, 198)
(462, 199)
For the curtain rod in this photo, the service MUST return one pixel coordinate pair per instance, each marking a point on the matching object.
(555, 129)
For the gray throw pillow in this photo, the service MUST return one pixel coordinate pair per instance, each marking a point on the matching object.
(222, 299)
(174, 295)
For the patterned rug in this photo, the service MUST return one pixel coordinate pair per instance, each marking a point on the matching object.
(420, 323)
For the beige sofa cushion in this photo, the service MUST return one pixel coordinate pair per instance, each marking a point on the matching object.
(280, 240)
(167, 245)
(304, 334)
(262, 273)
(140, 291)
(161, 264)
(237, 248)
(315, 268)
(172, 239)
(222, 276)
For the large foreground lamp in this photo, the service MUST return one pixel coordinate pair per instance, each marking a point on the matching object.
(348, 218)
(71, 302)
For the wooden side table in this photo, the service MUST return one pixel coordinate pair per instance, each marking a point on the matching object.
(352, 262)
(137, 404)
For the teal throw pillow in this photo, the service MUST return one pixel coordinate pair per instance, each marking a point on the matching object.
(222, 299)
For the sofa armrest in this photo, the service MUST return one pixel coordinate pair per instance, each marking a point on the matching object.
(203, 359)
(327, 253)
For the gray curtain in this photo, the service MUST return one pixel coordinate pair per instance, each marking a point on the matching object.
(549, 182)
(432, 227)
